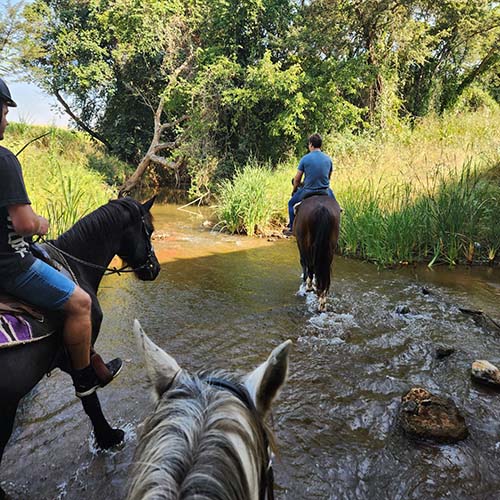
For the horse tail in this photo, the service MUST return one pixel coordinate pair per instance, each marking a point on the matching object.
(323, 248)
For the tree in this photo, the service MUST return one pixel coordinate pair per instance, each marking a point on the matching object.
(115, 65)
(11, 31)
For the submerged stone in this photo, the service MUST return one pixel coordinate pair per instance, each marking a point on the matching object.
(426, 416)
(486, 373)
(402, 310)
(443, 351)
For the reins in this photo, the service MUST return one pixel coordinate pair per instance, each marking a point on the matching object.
(107, 270)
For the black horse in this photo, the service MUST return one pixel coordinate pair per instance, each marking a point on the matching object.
(122, 227)
(316, 228)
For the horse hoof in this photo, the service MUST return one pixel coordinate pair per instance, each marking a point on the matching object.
(115, 437)
(3, 495)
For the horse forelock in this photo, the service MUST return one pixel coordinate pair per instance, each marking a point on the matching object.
(200, 442)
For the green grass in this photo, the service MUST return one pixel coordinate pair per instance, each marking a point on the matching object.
(60, 183)
(430, 193)
(251, 203)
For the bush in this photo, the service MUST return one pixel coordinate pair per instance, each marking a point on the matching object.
(60, 183)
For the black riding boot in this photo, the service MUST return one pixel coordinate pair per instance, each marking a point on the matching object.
(97, 374)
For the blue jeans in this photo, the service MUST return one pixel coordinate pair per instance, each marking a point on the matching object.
(41, 285)
(298, 196)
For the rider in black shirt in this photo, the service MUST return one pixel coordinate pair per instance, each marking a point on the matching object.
(32, 280)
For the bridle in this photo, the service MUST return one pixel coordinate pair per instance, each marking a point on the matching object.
(150, 257)
(266, 485)
(127, 268)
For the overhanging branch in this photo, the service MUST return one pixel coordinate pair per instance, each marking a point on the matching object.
(80, 122)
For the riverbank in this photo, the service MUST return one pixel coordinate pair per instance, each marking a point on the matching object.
(426, 193)
(66, 174)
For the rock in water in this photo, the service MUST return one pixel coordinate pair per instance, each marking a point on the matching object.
(443, 351)
(424, 415)
(486, 373)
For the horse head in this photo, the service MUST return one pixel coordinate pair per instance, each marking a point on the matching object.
(207, 437)
(136, 248)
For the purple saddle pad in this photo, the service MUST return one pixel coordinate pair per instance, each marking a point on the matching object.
(15, 329)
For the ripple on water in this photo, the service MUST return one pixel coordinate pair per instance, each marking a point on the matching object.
(336, 419)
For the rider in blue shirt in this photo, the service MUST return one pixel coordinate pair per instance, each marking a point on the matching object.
(317, 168)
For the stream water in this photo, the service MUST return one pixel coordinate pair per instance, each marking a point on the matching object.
(226, 301)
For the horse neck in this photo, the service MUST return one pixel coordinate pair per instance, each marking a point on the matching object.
(96, 243)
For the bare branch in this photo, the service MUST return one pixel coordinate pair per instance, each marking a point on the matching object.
(164, 145)
(163, 161)
(80, 122)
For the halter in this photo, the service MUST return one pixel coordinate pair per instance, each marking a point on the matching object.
(148, 264)
(266, 486)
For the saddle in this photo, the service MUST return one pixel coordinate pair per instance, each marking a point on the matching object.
(321, 192)
(20, 322)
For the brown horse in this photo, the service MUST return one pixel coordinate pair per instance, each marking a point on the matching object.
(316, 228)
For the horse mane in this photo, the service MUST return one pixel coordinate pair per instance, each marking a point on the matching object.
(108, 218)
(184, 451)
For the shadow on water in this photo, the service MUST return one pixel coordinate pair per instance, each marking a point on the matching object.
(336, 418)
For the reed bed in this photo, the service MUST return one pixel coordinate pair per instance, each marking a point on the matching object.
(252, 201)
(427, 193)
(56, 170)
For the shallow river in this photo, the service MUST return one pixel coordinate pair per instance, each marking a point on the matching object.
(226, 301)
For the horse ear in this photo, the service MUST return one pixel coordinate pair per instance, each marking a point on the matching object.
(265, 382)
(161, 367)
(148, 204)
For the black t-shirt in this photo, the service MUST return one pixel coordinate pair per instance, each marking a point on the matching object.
(15, 254)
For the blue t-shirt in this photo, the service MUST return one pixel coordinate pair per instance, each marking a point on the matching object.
(317, 167)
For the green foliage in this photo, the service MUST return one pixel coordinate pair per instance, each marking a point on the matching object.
(253, 78)
(252, 202)
(429, 194)
(60, 183)
(11, 33)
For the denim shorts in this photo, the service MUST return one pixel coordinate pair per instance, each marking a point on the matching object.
(42, 286)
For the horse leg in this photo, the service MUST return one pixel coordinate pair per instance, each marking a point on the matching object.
(105, 435)
(322, 301)
(7, 416)
(309, 283)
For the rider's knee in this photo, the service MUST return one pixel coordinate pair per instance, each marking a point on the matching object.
(79, 303)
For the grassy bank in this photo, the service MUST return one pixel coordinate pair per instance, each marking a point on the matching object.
(60, 171)
(428, 193)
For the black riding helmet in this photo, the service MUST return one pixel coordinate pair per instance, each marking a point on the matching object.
(5, 95)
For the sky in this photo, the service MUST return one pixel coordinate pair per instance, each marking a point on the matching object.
(34, 106)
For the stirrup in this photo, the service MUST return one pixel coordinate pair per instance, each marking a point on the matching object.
(101, 374)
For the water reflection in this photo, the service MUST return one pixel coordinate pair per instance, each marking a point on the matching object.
(227, 301)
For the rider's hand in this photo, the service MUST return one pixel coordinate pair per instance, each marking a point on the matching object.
(43, 226)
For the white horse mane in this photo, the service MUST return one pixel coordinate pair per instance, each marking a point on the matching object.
(200, 443)
(206, 439)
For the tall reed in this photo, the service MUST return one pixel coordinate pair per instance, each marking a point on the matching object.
(60, 184)
(429, 194)
(251, 203)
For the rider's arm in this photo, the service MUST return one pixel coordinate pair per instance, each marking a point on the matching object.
(296, 180)
(26, 222)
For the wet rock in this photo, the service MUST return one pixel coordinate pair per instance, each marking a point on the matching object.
(426, 291)
(424, 415)
(486, 373)
(482, 320)
(402, 310)
(443, 351)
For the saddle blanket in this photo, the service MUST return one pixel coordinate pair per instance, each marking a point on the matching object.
(16, 329)
(21, 323)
